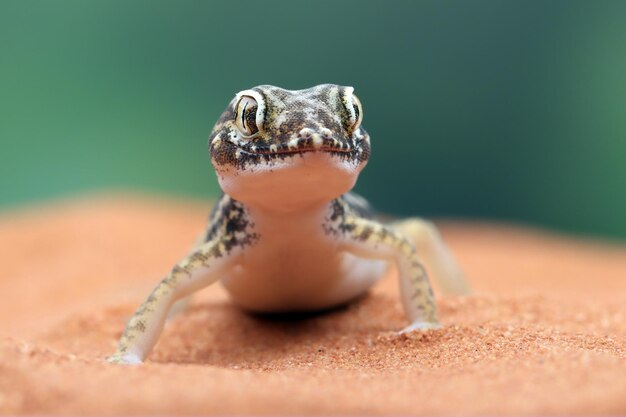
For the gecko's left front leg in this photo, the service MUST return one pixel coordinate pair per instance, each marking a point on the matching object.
(370, 239)
(201, 268)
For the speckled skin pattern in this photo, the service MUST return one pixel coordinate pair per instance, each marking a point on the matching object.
(314, 118)
(287, 234)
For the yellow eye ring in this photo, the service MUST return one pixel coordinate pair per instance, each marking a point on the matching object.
(249, 109)
(246, 115)
(354, 108)
(358, 112)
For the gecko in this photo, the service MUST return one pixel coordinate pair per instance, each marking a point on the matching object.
(287, 234)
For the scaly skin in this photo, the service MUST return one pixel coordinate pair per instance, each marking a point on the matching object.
(287, 235)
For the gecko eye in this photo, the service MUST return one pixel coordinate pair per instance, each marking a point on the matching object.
(246, 116)
(358, 112)
(355, 110)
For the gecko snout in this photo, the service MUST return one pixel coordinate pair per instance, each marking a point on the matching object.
(320, 139)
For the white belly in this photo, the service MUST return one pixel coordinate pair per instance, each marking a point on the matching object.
(295, 266)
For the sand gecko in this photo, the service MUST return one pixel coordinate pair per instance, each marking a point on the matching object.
(287, 234)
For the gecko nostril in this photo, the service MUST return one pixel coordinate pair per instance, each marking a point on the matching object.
(306, 133)
(326, 133)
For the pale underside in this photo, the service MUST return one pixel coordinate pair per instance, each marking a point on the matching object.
(297, 267)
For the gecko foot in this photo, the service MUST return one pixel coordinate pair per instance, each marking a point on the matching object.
(124, 359)
(420, 326)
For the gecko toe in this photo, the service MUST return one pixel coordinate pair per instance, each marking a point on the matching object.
(124, 359)
(420, 326)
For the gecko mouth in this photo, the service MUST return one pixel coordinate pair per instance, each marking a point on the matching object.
(286, 150)
(242, 154)
(299, 147)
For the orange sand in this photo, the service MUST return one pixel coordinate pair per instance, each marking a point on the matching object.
(545, 332)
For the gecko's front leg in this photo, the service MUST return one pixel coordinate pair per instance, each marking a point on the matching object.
(439, 260)
(370, 239)
(201, 268)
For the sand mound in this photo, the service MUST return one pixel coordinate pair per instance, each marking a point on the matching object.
(544, 333)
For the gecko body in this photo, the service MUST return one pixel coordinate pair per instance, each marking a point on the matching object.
(287, 234)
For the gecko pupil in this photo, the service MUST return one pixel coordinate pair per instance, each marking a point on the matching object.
(243, 116)
(250, 119)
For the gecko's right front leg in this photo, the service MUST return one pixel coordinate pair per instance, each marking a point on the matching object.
(201, 268)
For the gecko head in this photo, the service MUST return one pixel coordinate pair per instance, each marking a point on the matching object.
(277, 147)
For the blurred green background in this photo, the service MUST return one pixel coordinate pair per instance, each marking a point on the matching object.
(483, 109)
